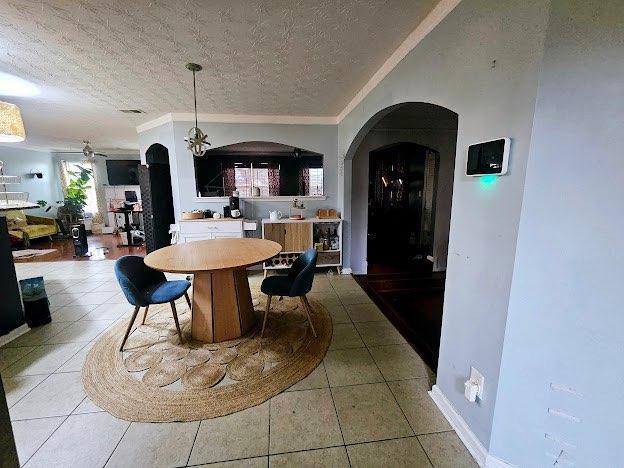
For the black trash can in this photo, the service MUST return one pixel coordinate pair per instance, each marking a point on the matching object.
(36, 303)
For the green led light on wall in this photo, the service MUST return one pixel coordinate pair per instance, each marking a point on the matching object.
(487, 181)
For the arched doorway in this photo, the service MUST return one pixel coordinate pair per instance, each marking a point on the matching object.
(399, 173)
(425, 124)
(157, 197)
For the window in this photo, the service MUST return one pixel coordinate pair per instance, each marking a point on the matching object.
(272, 168)
(316, 181)
(72, 168)
(248, 177)
(242, 180)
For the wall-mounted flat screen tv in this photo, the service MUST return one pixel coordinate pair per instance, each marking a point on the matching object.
(123, 172)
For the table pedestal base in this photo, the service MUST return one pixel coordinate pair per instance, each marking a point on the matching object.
(222, 307)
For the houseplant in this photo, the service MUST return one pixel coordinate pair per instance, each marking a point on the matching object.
(72, 209)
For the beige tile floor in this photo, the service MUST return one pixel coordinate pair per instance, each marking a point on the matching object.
(366, 405)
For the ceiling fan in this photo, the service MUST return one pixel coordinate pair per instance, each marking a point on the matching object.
(87, 151)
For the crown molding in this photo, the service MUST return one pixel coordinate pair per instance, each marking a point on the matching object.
(25, 146)
(157, 122)
(256, 119)
(439, 12)
(237, 118)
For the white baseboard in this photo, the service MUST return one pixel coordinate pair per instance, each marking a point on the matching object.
(346, 271)
(474, 445)
(4, 339)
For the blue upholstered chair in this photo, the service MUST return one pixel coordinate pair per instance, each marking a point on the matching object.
(298, 282)
(144, 286)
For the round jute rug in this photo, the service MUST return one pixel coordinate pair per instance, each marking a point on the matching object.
(157, 379)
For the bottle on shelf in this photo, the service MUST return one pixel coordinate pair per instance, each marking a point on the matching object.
(334, 241)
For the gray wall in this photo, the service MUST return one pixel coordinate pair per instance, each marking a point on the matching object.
(319, 138)
(565, 313)
(451, 67)
(442, 141)
(21, 162)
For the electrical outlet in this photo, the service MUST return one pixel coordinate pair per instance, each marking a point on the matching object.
(477, 378)
(474, 386)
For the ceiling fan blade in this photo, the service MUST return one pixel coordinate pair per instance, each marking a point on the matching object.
(100, 154)
(67, 152)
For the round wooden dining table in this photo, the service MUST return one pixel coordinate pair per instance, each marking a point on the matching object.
(222, 308)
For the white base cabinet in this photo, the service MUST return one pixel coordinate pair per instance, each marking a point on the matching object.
(203, 229)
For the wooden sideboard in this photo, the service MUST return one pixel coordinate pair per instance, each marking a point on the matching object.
(296, 236)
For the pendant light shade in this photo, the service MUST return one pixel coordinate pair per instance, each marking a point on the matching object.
(11, 124)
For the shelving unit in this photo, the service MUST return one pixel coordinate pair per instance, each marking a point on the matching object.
(12, 200)
(296, 236)
(11, 312)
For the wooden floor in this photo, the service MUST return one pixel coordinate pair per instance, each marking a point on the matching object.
(101, 246)
(413, 302)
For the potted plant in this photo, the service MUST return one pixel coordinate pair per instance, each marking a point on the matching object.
(75, 200)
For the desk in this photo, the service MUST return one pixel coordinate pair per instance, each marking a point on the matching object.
(222, 309)
(128, 227)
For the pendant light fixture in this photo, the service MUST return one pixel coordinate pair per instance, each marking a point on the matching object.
(11, 124)
(196, 139)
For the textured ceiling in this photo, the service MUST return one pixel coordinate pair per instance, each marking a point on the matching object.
(289, 57)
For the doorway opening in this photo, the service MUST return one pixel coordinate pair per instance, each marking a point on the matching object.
(401, 207)
(155, 181)
(403, 163)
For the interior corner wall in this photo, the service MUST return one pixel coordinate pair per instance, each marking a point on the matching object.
(561, 396)
(443, 141)
(22, 162)
(452, 67)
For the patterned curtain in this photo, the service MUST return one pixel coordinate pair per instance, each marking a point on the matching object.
(64, 177)
(274, 180)
(304, 181)
(99, 190)
(229, 180)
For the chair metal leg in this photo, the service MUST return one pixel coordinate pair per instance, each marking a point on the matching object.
(188, 301)
(175, 319)
(134, 314)
(266, 314)
(308, 311)
(145, 315)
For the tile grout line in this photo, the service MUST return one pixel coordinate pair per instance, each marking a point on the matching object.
(48, 375)
(320, 448)
(188, 459)
(357, 384)
(269, 438)
(56, 429)
(391, 392)
(48, 438)
(268, 454)
(117, 444)
(395, 399)
(331, 394)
